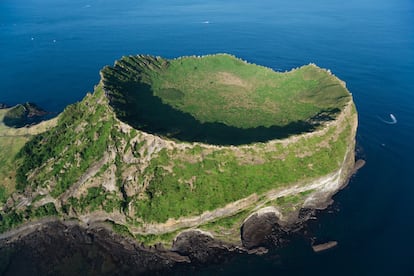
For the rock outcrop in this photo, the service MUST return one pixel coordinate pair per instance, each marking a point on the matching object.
(23, 114)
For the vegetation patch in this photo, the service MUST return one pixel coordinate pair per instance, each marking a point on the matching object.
(120, 229)
(11, 141)
(79, 139)
(220, 177)
(220, 99)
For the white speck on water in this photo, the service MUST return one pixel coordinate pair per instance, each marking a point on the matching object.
(392, 122)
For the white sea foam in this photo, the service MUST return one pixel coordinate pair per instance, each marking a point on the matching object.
(393, 120)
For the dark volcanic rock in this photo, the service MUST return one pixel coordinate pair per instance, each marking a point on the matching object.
(59, 249)
(202, 248)
(264, 230)
(65, 248)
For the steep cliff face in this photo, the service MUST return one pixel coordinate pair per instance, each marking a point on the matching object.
(270, 225)
(331, 184)
(98, 167)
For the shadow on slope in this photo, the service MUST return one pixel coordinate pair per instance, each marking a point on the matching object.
(137, 106)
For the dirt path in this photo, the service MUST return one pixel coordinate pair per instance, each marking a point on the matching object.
(230, 209)
(186, 222)
(234, 207)
(94, 169)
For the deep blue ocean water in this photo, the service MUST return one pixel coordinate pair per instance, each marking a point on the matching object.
(51, 53)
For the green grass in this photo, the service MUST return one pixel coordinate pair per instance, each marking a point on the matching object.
(230, 222)
(3, 194)
(291, 200)
(15, 218)
(11, 142)
(79, 139)
(290, 203)
(120, 229)
(224, 89)
(9, 147)
(220, 178)
(16, 112)
(227, 228)
(10, 220)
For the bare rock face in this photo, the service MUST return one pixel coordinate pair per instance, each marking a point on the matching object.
(259, 229)
(201, 247)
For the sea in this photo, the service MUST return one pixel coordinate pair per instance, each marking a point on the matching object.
(51, 53)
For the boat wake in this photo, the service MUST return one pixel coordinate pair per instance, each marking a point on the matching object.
(392, 122)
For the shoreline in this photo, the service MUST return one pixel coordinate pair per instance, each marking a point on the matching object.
(190, 248)
(32, 226)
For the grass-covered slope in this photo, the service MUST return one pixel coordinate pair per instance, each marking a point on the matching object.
(95, 167)
(12, 140)
(224, 89)
(68, 150)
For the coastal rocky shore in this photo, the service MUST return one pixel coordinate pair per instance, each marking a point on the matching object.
(53, 247)
(66, 248)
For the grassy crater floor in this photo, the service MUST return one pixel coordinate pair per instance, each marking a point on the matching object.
(220, 99)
